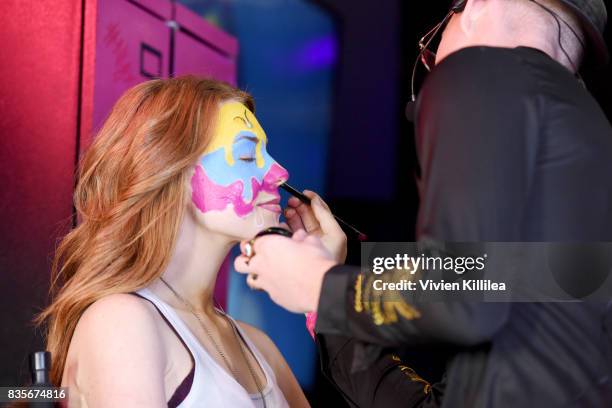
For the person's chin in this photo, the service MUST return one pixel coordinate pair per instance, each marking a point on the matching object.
(266, 218)
(271, 219)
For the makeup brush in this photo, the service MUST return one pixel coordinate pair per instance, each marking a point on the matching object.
(360, 235)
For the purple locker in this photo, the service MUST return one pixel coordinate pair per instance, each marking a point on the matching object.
(132, 45)
(134, 42)
(203, 49)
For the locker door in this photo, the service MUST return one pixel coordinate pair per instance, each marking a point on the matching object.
(132, 45)
(203, 49)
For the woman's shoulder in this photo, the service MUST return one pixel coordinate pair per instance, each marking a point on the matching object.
(117, 323)
(117, 346)
(117, 308)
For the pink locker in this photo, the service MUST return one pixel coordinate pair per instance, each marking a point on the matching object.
(202, 48)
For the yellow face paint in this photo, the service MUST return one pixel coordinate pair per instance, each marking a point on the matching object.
(235, 118)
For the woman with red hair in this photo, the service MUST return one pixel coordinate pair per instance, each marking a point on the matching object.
(177, 175)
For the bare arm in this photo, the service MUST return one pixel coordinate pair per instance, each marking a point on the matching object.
(284, 376)
(120, 355)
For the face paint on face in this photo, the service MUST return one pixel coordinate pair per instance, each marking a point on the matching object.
(236, 166)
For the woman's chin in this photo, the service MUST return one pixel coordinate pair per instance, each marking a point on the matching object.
(272, 220)
(269, 218)
(259, 222)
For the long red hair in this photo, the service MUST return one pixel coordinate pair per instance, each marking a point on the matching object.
(129, 198)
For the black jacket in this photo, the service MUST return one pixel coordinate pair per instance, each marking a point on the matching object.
(511, 147)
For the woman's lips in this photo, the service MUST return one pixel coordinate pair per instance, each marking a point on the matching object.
(271, 206)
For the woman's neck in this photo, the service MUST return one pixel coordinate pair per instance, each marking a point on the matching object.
(193, 267)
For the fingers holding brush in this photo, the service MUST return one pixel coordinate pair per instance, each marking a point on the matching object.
(332, 235)
(320, 211)
(292, 216)
(300, 215)
(295, 204)
(312, 214)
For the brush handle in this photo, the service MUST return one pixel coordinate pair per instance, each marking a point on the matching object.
(303, 198)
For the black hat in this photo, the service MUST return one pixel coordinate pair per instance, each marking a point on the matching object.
(593, 16)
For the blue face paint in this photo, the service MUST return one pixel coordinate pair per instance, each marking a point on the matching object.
(244, 168)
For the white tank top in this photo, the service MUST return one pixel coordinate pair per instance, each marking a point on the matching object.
(211, 385)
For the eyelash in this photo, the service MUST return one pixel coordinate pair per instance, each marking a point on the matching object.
(247, 159)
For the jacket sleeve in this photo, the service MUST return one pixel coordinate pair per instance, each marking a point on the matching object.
(344, 311)
(387, 382)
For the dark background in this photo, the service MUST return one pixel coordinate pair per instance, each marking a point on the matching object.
(372, 85)
(392, 219)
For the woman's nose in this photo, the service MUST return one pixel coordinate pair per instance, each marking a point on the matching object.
(277, 175)
(283, 175)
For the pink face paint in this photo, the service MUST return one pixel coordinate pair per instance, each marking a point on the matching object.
(209, 196)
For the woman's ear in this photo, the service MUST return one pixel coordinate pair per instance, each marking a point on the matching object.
(473, 14)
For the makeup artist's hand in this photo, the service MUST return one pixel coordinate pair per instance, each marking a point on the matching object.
(317, 219)
(291, 270)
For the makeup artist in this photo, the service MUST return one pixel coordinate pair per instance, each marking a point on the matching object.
(512, 147)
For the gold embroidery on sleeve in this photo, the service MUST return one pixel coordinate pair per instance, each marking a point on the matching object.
(358, 298)
(412, 375)
(378, 304)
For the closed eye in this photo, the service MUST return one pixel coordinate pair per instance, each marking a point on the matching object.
(247, 158)
(244, 148)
